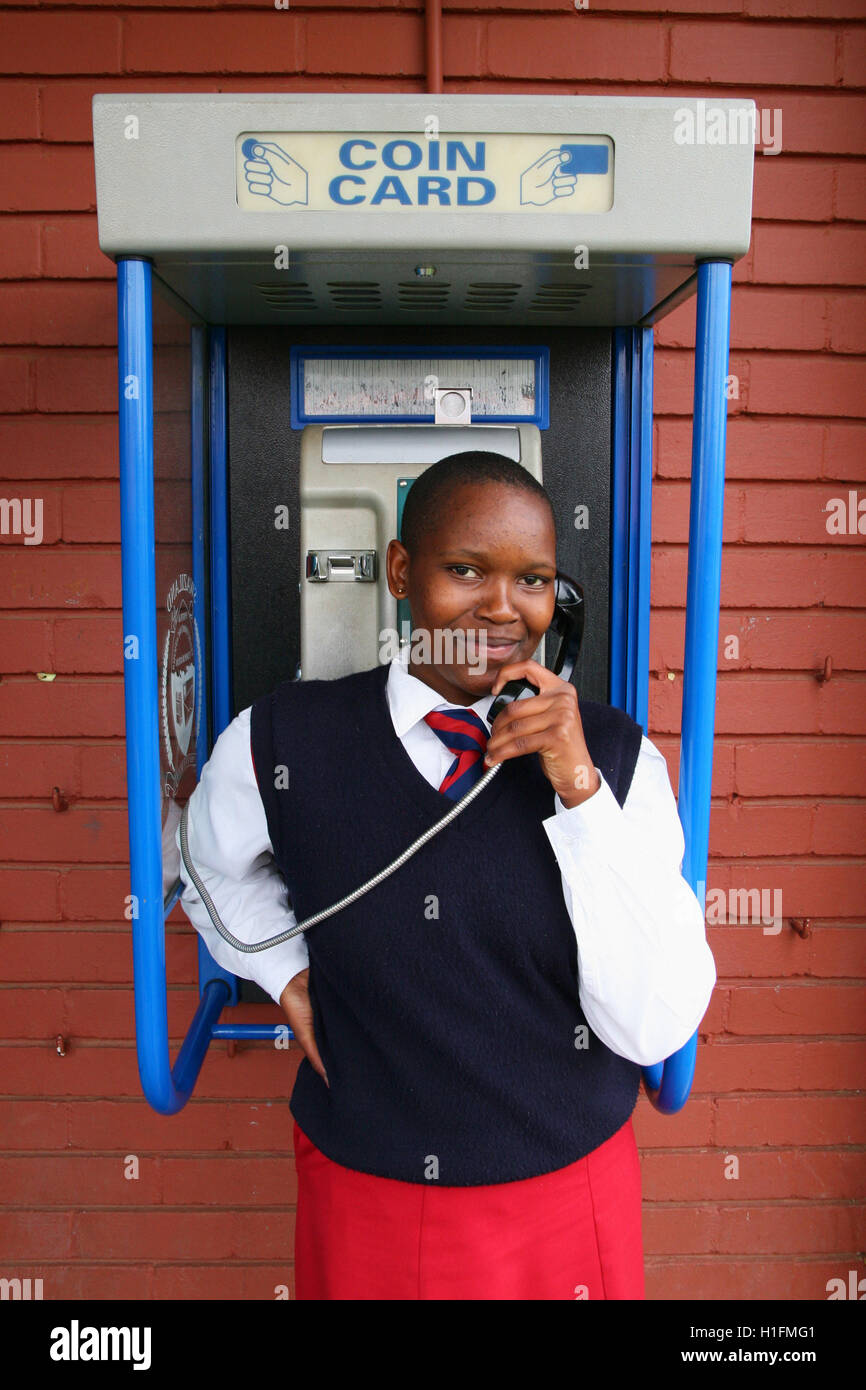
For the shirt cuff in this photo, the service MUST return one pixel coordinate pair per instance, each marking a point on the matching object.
(599, 815)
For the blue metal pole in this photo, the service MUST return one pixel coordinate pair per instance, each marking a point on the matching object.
(703, 594)
(221, 683)
(165, 1093)
(619, 509)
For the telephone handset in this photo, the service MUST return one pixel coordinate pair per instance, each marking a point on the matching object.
(567, 628)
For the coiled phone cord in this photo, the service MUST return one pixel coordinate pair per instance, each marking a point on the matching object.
(248, 948)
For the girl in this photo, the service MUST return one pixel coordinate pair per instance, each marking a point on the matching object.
(474, 1026)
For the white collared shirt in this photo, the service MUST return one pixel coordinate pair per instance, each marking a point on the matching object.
(645, 970)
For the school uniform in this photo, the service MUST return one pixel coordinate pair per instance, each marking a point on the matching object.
(483, 1013)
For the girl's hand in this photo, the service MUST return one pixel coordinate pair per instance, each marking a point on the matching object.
(547, 724)
(295, 1004)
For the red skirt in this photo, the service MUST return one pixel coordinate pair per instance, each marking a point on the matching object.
(571, 1234)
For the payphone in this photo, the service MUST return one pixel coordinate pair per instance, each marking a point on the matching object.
(303, 322)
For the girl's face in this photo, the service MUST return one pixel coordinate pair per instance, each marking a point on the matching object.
(489, 567)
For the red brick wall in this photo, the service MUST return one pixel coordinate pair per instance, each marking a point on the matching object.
(782, 1059)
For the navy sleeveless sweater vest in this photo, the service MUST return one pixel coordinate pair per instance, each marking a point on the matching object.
(445, 1000)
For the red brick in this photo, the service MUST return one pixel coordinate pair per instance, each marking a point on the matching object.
(810, 887)
(33, 769)
(61, 709)
(57, 42)
(19, 111)
(67, 314)
(74, 1180)
(845, 450)
(674, 383)
(235, 1281)
(798, 255)
(797, 515)
(64, 577)
(103, 770)
(790, 767)
(755, 448)
(760, 577)
(267, 1181)
(792, 190)
(815, 123)
(744, 952)
(803, 9)
(94, 895)
(690, 1126)
(43, 178)
(91, 513)
(766, 829)
(850, 199)
(731, 1064)
(217, 43)
(773, 641)
(775, 1121)
(65, 956)
(34, 1235)
(577, 46)
(81, 834)
(71, 249)
(32, 1124)
(58, 446)
(90, 644)
(786, 1228)
(29, 895)
(763, 1176)
(17, 382)
(853, 58)
(670, 512)
(840, 828)
(79, 381)
(797, 1009)
(26, 644)
(779, 319)
(20, 259)
(753, 705)
(847, 323)
(782, 1278)
(719, 53)
(788, 384)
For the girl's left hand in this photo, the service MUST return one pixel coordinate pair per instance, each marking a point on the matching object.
(547, 724)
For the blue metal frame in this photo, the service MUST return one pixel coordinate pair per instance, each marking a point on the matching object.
(668, 1083)
(220, 598)
(166, 1088)
(299, 417)
(703, 594)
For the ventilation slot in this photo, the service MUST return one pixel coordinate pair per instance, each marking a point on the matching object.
(493, 295)
(557, 299)
(355, 294)
(422, 298)
(285, 297)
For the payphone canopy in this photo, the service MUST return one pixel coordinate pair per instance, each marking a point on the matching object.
(411, 209)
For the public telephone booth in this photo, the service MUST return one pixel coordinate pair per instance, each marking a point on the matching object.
(319, 296)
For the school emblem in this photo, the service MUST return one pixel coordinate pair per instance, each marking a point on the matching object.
(181, 697)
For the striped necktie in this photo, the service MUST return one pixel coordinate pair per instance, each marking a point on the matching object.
(465, 735)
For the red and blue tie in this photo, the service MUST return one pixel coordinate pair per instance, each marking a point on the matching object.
(465, 735)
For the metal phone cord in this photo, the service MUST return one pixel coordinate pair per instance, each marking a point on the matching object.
(246, 947)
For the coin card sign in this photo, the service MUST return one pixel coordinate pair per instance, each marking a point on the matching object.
(324, 171)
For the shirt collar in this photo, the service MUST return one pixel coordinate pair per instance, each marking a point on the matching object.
(410, 699)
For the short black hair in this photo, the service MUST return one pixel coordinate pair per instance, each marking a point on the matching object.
(427, 500)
